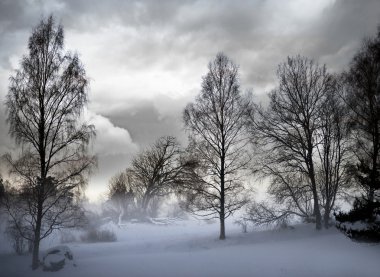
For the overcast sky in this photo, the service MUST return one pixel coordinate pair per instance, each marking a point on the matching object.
(145, 59)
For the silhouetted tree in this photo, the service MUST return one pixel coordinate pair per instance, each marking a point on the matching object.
(362, 94)
(333, 151)
(45, 99)
(121, 193)
(156, 172)
(217, 125)
(287, 132)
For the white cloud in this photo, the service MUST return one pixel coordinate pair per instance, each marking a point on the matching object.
(110, 139)
(114, 148)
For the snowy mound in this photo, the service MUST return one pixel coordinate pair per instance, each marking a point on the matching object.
(55, 258)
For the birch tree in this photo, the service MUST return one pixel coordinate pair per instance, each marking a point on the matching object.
(44, 103)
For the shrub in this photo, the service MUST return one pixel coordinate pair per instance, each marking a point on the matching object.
(94, 235)
(67, 237)
(20, 244)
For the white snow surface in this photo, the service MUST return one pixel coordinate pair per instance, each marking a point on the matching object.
(192, 248)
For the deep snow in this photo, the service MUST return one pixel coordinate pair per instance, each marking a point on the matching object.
(191, 248)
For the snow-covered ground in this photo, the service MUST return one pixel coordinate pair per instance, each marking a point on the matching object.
(192, 248)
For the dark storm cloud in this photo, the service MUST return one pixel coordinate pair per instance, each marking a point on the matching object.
(146, 58)
(256, 34)
(146, 123)
(15, 15)
(341, 29)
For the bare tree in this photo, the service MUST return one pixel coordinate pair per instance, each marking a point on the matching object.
(44, 103)
(121, 193)
(288, 132)
(362, 95)
(156, 171)
(333, 151)
(264, 213)
(217, 124)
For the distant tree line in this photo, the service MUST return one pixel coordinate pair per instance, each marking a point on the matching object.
(154, 174)
(317, 141)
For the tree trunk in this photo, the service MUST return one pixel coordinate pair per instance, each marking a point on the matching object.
(41, 188)
(121, 214)
(222, 235)
(374, 170)
(317, 212)
(36, 242)
(370, 202)
(326, 217)
(144, 205)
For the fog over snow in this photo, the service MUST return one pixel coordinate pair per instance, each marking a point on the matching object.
(191, 248)
(145, 59)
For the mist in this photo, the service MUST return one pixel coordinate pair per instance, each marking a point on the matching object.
(192, 138)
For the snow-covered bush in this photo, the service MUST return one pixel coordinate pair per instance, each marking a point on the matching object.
(362, 223)
(55, 258)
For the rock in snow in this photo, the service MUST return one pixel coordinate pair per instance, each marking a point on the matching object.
(55, 258)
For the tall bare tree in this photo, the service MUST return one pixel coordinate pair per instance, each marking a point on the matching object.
(217, 125)
(45, 99)
(333, 150)
(362, 94)
(288, 131)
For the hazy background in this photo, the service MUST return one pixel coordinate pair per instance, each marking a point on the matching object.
(145, 59)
